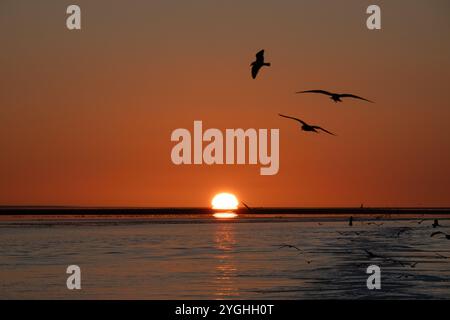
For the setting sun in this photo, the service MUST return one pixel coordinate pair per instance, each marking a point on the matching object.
(224, 201)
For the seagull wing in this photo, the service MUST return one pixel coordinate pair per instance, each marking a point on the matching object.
(255, 69)
(436, 233)
(316, 91)
(347, 95)
(296, 119)
(245, 205)
(370, 254)
(260, 56)
(320, 128)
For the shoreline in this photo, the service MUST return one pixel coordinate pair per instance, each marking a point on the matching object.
(89, 214)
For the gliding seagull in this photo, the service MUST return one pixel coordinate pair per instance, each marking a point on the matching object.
(307, 127)
(336, 97)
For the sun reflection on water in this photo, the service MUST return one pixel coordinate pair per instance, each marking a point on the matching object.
(225, 215)
(224, 281)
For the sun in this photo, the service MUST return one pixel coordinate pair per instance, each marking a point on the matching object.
(224, 201)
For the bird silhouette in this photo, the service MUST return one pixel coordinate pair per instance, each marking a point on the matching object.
(285, 245)
(336, 97)
(307, 127)
(349, 233)
(447, 236)
(246, 206)
(436, 223)
(374, 223)
(258, 63)
(440, 256)
(371, 254)
(300, 251)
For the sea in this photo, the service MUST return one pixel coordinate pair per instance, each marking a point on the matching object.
(242, 257)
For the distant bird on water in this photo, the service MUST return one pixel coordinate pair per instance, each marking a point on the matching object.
(307, 127)
(284, 245)
(374, 223)
(350, 221)
(447, 236)
(436, 223)
(258, 63)
(336, 97)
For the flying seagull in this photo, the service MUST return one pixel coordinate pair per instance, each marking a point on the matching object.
(374, 223)
(447, 236)
(336, 97)
(246, 206)
(258, 63)
(307, 127)
(372, 255)
(300, 251)
(281, 246)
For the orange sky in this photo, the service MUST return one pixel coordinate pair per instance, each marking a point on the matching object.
(86, 116)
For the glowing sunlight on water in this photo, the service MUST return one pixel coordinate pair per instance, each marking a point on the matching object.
(225, 215)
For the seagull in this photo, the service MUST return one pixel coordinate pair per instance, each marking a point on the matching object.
(436, 223)
(284, 245)
(441, 256)
(447, 236)
(377, 224)
(258, 63)
(372, 255)
(404, 276)
(336, 97)
(245, 205)
(307, 127)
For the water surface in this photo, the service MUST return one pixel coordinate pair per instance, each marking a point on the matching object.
(181, 257)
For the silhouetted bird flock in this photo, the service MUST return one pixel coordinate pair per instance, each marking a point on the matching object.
(386, 258)
(336, 97)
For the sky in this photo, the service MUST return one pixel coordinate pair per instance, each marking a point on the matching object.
(86, 116)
